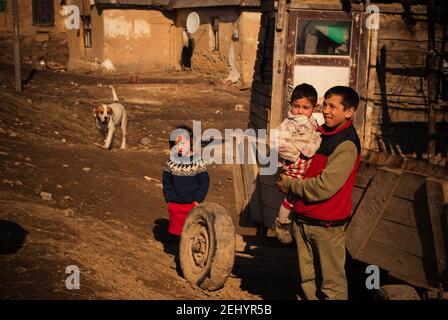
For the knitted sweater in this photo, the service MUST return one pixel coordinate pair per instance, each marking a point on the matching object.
(186, 180)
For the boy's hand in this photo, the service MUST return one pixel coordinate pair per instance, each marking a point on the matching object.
(281, 183)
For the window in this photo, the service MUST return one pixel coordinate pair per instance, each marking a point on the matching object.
(3, 5)
(43, 13)
(87, 26)
(324, 47)
(215, 29)
(324, 37)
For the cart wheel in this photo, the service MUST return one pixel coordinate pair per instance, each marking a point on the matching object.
(207, 246)
(397, 292)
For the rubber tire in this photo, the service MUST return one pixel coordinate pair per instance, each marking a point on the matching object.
(216, 222)
(397, 292)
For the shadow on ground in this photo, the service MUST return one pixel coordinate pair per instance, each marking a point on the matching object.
(170, 242)
(12, 237)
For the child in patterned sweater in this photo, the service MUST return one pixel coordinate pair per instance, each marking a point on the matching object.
(185, 179)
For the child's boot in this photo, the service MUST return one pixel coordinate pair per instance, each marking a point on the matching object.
(283, 231)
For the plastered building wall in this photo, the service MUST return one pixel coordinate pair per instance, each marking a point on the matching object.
(238, 32)
(139, 39)
(26, 20)
(80, 56)
(133, 40)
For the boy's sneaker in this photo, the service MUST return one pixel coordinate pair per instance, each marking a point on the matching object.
(282, 231)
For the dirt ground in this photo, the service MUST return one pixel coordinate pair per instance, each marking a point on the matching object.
(107, 214)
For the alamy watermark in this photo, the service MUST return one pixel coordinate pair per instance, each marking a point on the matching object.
(238, 147)
(73, 16)
(373, 280)
(373, 20)
(72, 282)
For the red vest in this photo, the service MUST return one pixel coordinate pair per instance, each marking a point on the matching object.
(337, 207)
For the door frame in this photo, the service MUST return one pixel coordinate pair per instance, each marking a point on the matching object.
(292, 59)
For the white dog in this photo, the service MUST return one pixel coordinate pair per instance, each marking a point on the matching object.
(107, 117)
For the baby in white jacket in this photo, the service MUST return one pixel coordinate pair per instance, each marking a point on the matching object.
(299, 140)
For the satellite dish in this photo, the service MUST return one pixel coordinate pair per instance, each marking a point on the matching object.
(193, 22)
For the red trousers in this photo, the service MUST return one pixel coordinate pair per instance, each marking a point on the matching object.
(178, 214)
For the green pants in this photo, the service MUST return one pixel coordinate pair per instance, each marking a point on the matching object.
(321, 255)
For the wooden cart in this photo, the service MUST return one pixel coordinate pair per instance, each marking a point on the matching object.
(400, 220)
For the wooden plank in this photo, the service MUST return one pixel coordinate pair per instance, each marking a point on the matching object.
(412, 187)
(435, 196)
(327, 5)
(394, 52)
(281, 12)
(269, 180)
(261, 112)
(404, 45)
(372, 74)
(408, 213)
(426, 168)
(250, 179)
(355, 50)
(239, 188)
(271, 196)
(408, 58)
(382, 159)
(401, 103)
(268, 67)
(365, 175)
(390, 99)
(269, 216)
(397, 8)
(397, 85)
(336, 5)
(250, 173)
(357, 194)
(257, 89)
(362, 81)
(261, 100)
(269, 53)
(370, 209)
(267, 5)
(322, 61)
(257, 121)
(405, 115)
(264, 89)
(397, 29)
(278, 74)
(402, 265)
(291, 44)
(16, 34)
(409, 131)
(405, 102)
(404, 238)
